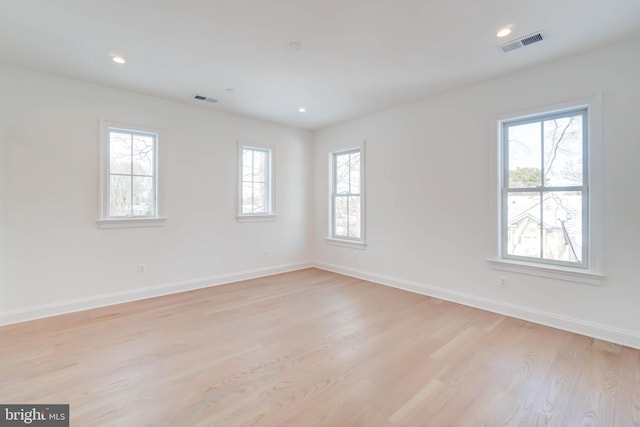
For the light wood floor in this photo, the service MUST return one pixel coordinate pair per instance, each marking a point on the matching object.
(315, 348)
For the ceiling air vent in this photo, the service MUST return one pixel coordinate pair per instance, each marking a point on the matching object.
(521, 42)
(204, 98)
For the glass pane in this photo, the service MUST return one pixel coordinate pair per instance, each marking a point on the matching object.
(563, 151)
(143, 155)
(247, 165)
(342, 173)
(259, 198)
(143, 199)
(119, 152)
(355, 173)
(341, 217)
(524, 155)
(259, 165)
(354, 217)
(523, 226)
(562, 226)
(247, 197)
(119, 195)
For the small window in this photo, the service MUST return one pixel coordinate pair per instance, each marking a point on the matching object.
(130, 177)
(347, 183)
(545, 197)
(256, 182)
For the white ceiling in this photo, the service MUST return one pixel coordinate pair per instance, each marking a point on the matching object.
(357, 56)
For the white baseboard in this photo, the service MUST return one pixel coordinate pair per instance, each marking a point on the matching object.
(64, 307)
(592, 329)
(555, 320)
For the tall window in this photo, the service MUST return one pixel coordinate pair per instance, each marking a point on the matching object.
(346, 195)
(131, 173)
(256, 187)
(544, 215)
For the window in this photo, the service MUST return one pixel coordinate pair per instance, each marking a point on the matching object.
(256, 183)
(347, 181)
(129, 177)
(545, 192)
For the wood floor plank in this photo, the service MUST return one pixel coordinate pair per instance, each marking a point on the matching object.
(315, 348)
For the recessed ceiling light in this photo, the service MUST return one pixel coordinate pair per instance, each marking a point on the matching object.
(302, 110)
(295, 45)
(504, 32)
(118, 60)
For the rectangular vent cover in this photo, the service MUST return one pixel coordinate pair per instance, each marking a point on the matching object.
(204, 98)
(521, 42)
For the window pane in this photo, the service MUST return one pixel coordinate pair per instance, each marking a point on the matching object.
(259, 198)
(354, 217)
(120, 195)
(355, 173)
(143, 154)
(523, 224)
(247, 197)
(524, 146)
(119, 152)
(247, 165)
(143, 204)
(562, 226)
(259, 165)
(563, 151)
(341, 217)
(342, 173)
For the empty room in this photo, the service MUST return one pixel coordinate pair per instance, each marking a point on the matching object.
(319, 213)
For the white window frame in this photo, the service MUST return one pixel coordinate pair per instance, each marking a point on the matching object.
(332, 238)
(590, 270)
(270, 215)
(105, 220)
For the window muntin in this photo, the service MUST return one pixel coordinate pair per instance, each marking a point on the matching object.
(131, 173)
(346, 198)
(545, 189)
(256, 186)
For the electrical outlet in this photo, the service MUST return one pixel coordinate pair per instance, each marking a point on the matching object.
(503, 282)
(141, 268)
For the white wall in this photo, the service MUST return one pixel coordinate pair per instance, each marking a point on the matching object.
(430, 200)
(60, 260)
(430, 215)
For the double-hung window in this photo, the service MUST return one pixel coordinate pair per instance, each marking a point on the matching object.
(347, 211)
(256, 183)
(545, 189)
(129, 177)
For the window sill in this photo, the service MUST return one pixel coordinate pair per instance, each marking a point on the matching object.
(551, 272)
(256, 218)
(353, 244)
(131, 222)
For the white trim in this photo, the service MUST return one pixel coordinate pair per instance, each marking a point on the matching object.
(555, 320)
(363, 200)
(131, 222)
(104, 221)
(579, 326)
(64, 307)
(549, 271)
(271, 188)
(353, 244)
(595, 170)
(256, 217)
